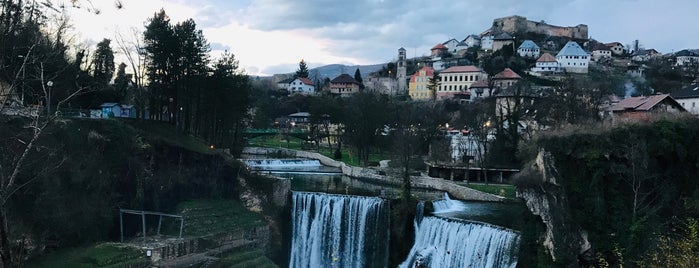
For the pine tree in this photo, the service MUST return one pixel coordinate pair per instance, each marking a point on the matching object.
(358, 77)
(302, 72)
(103, 62)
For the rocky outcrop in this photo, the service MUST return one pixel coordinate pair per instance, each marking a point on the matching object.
(545, 197)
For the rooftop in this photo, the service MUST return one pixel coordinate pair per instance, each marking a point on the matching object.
(438, 46)
(507, 74)
(546, 58)
(306, 81)
(641, 103)
(572, 49)
(462, 69)
(688, 92)
(344, 78)
(528, 44)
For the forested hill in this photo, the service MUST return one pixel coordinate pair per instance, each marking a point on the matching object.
(644, 176)
(83, 170)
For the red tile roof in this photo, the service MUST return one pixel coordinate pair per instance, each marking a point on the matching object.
(462, 69)
(507, 74)
(546, 58)
(429, 72)
(439, 46)
(306, 81)
(641, 103)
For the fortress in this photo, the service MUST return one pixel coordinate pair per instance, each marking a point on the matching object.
(519, 24)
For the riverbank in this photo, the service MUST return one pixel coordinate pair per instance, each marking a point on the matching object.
(378, 175)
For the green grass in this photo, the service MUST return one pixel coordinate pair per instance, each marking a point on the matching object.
(205, 217)
(168, 134)
(255, 258)
(101, 255)
(294, 143)
(507, 191)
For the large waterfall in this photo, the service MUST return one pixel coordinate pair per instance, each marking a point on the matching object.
(441, 242)
(338, 231)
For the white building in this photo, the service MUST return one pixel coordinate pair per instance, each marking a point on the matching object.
(600, 52)
(457, 80)
(451, 45)
(301, 85)
(616, 48)
(686, 57)
(546, 64)
(487, 42)
(688, 97)
(573, 59)
(528, 49)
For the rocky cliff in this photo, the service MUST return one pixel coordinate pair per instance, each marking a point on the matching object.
(545, 197)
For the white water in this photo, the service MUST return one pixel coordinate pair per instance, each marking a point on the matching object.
(338, 231)
(443, 242)
(282, 163)
(448, 205)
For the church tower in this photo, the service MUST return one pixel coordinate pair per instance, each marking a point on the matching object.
(401, 73)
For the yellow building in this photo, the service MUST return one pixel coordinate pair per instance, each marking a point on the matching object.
(419, 81)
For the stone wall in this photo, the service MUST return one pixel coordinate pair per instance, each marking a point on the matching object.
(455, 190)
(519, 24)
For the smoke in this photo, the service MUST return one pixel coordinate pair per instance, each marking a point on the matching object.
(630, 89)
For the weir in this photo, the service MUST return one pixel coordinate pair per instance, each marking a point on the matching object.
(441, 242)
(281, 163)
(338, 231)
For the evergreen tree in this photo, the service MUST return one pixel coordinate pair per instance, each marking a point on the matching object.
(302, 71)
(103, 62)
(159, 45)
(433, 85)
(358, 77)
(121, 81)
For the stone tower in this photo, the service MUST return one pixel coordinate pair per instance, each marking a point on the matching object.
(401, 73)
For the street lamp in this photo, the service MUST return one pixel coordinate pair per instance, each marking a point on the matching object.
(48, 98)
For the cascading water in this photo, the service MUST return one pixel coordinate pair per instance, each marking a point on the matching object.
(338, 231)
(441, 242)
(290, 166)
(448, 205)
(277, 163)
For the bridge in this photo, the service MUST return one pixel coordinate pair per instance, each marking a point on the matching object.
(296, 132)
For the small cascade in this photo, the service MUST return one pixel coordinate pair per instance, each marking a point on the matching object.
(281, 163)
(338, 231)
(448, 205)
(419, 213)
(453, 243)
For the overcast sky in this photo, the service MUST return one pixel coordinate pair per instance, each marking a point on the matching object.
(272, 36)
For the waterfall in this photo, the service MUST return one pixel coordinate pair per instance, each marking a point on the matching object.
(453, 243)
(448, 205)
(338, 231)
(277, 163)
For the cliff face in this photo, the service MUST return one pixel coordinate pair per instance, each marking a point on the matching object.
(545, 197)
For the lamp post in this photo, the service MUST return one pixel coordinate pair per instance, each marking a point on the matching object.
(48, 98)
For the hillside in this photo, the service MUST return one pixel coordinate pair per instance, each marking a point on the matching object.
(333, 70)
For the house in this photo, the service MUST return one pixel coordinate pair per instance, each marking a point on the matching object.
(502, 40)
(616, 48)
(635, 70)
(438, 50)
(528, 49)
(686, 57)
(128, 111)
(418, 88)
(505, 79)
(688, 97)
(644, 107)
(643, 55)
(487, 40)
(573, 59)
(382, 85)
(284, 83)
(344, 84)
(301, 85)
(546, 64)
(457, 80)
(299, 120)
(600, 52)
(469, 42)
(480, 89)
(110, 109)
(451, 45)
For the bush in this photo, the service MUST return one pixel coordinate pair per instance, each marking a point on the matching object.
(338, 154)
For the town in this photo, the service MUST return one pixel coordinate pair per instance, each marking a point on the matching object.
(525, 144)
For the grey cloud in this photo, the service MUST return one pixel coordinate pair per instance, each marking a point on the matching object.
(219, 46)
